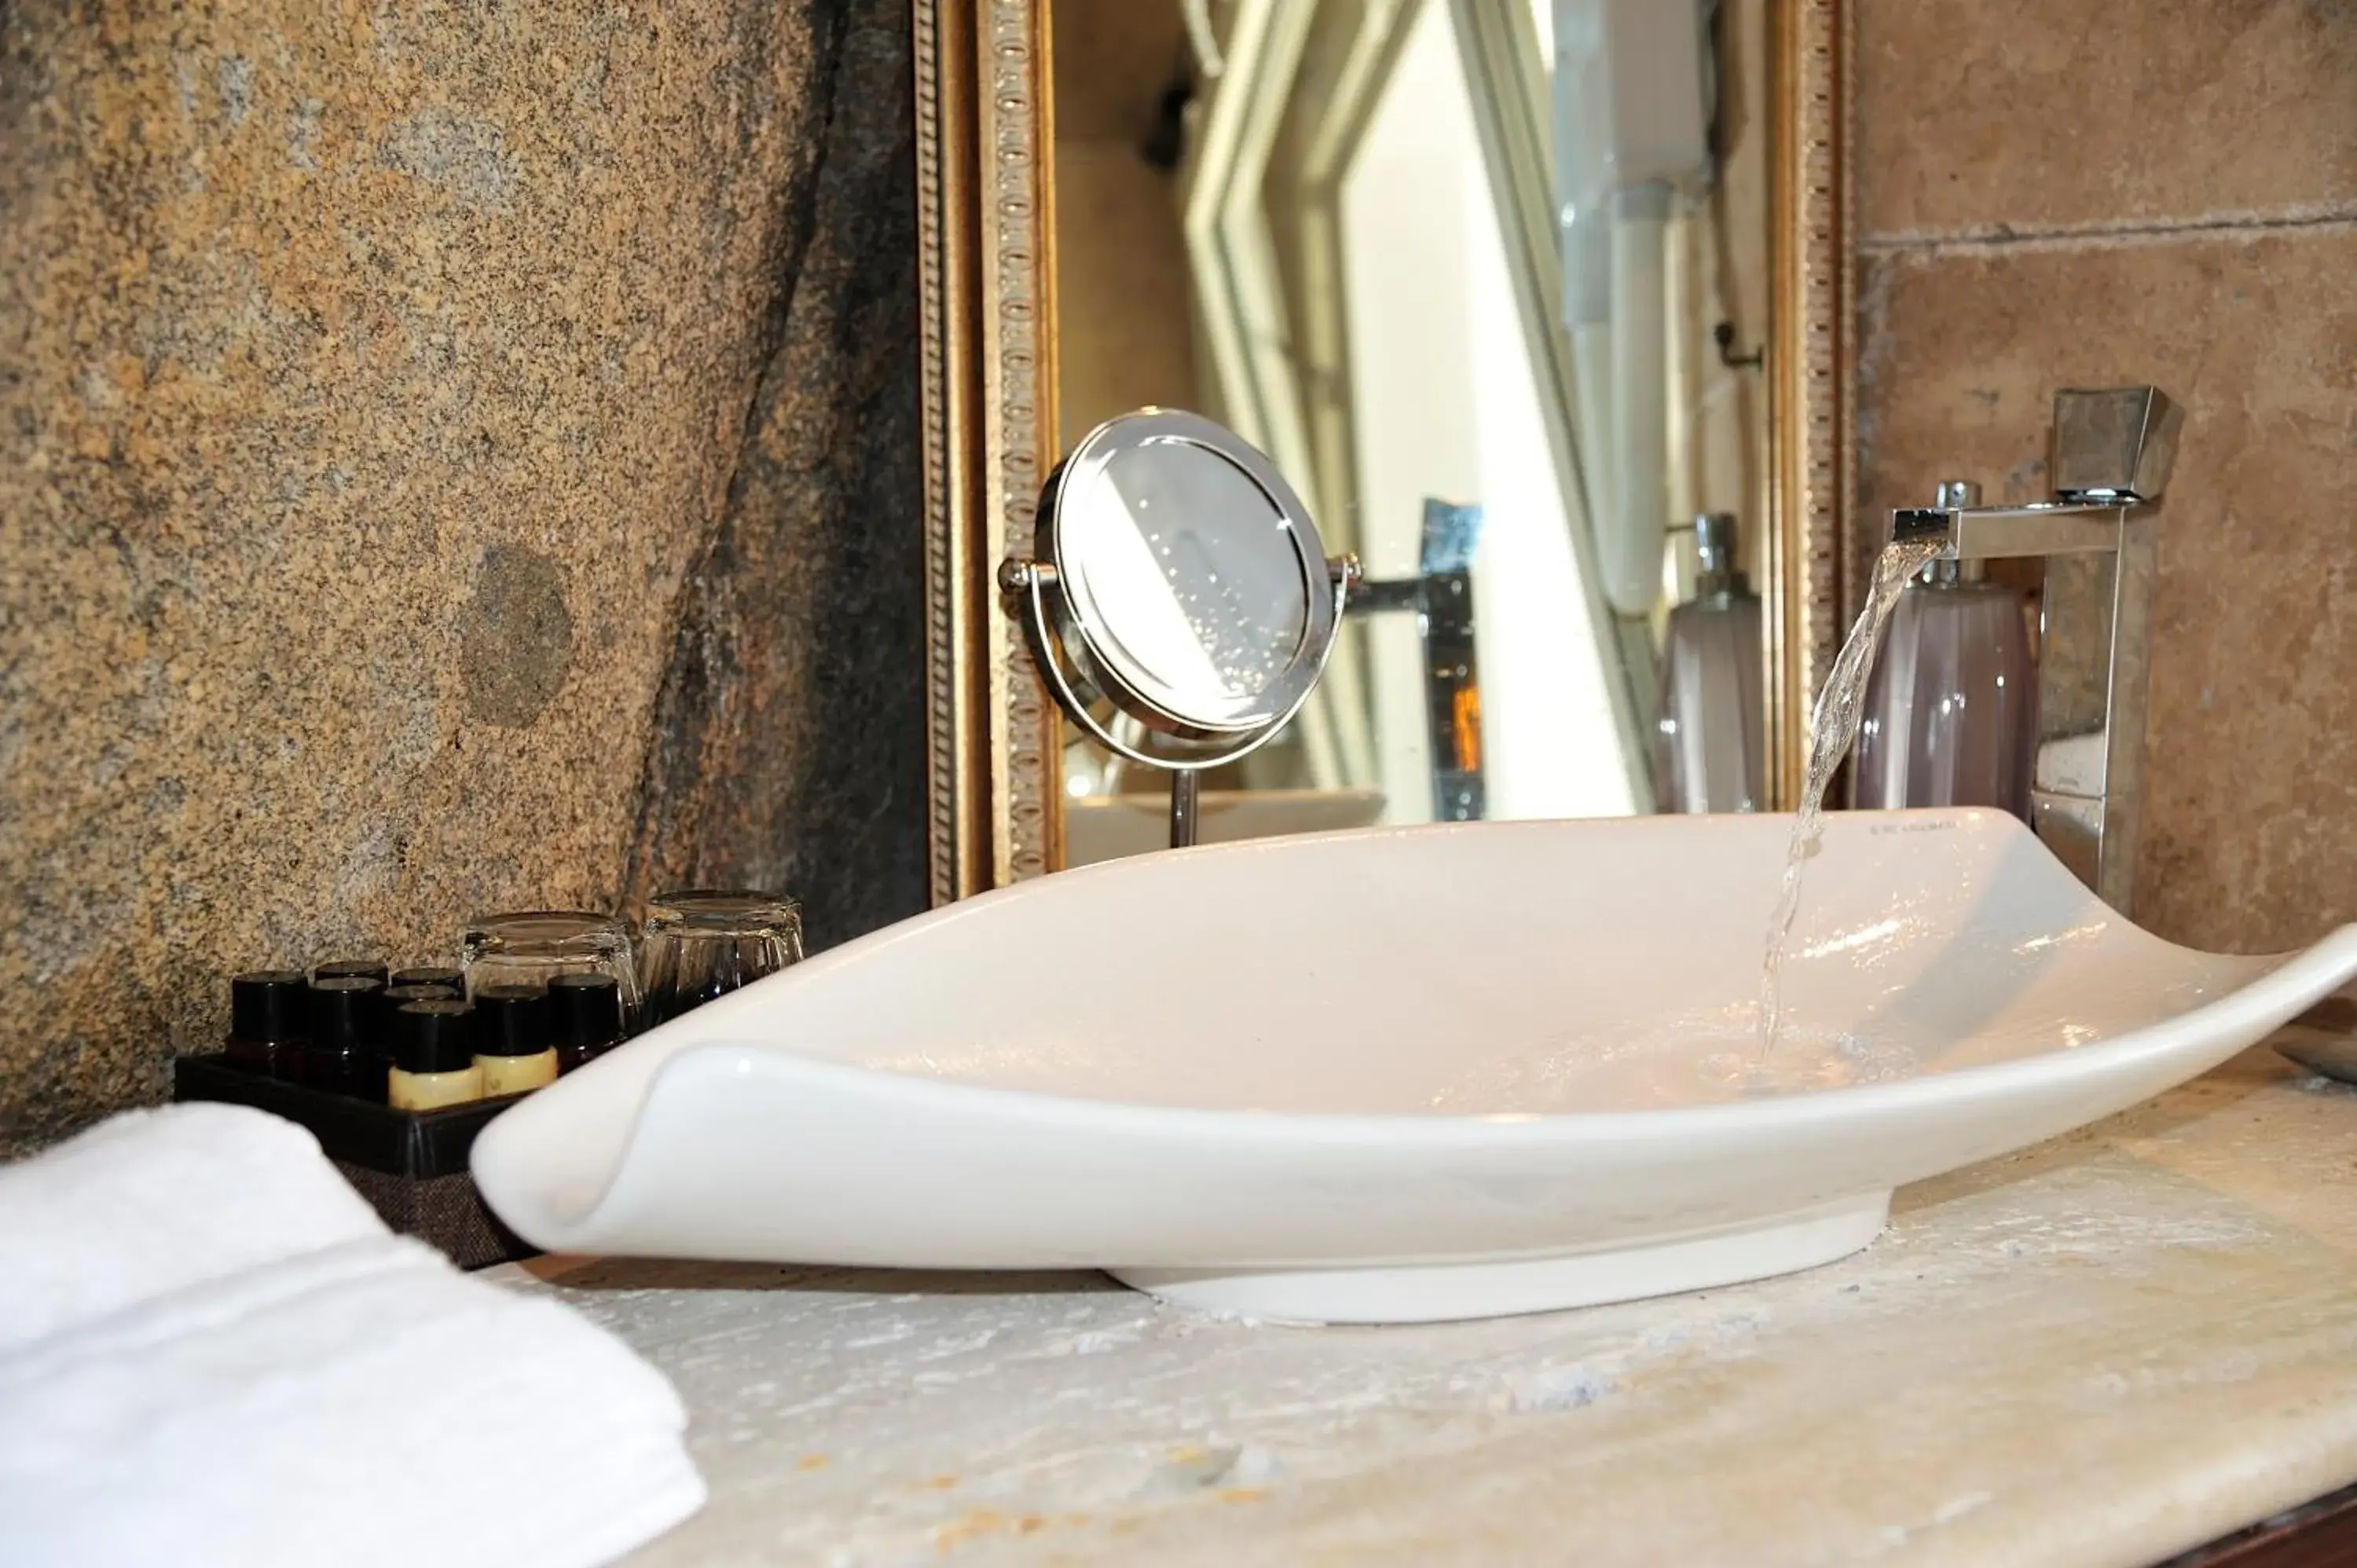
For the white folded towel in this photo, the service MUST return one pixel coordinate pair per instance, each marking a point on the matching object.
(345, 1397)
(153, 1200)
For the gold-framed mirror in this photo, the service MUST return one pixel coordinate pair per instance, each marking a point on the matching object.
(1338, 226)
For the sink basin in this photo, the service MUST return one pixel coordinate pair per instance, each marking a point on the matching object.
(1396, 1074)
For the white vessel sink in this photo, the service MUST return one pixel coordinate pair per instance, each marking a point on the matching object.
(1398, 1074)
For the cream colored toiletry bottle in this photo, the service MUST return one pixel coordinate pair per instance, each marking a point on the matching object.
(514, 1050)
(432, 1056)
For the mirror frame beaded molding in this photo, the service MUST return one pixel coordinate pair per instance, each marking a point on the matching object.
(985, 121)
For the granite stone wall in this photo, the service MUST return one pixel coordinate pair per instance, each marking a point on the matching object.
(450, 457)
(2067, 193)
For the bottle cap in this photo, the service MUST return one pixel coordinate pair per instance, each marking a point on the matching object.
(588, 1011)
(433, 1037)
(396, 996)
(343, 1010)
(511, 1021)
(429, 974)
(345, 968)
(393, 997)
(265, 1005)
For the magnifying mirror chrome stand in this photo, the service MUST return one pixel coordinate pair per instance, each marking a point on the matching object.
(1176, 579)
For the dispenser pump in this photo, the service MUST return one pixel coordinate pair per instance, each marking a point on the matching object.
(1954, 495)
(1715, 542)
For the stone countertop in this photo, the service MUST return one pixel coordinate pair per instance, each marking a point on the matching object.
(2102, 1351)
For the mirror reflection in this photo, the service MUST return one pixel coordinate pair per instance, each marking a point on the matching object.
(1177, 602)
(1190, 567)
(1485, 279)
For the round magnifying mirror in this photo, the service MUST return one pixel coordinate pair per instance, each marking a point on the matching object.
(1177, 579)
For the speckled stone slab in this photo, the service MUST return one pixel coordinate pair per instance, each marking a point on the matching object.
(449, 458)
(2099, 1352)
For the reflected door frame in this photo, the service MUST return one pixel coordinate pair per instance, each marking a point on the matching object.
(1281, 360)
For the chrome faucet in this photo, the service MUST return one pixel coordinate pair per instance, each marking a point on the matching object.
(2111, 454)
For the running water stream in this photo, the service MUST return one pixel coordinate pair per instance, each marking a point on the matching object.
(1833, 725)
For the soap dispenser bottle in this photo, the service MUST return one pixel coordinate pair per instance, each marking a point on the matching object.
(1951, 714)
(1709, 752)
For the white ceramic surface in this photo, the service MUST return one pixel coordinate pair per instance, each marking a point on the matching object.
(1398, 1074)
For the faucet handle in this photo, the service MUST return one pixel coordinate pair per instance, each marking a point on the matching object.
(2114, 445)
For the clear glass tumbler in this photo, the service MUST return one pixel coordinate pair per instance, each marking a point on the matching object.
(703, 944)
(535, 946)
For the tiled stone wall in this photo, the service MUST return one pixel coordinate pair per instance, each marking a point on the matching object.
(2057, 193)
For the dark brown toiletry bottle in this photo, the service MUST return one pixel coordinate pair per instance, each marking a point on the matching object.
(266, 1020)
(429, 974)
(339, 1050)
(588, 1010)
(349, 968)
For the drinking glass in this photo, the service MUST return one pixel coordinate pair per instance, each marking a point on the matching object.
(535, 946)
(704, 943)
